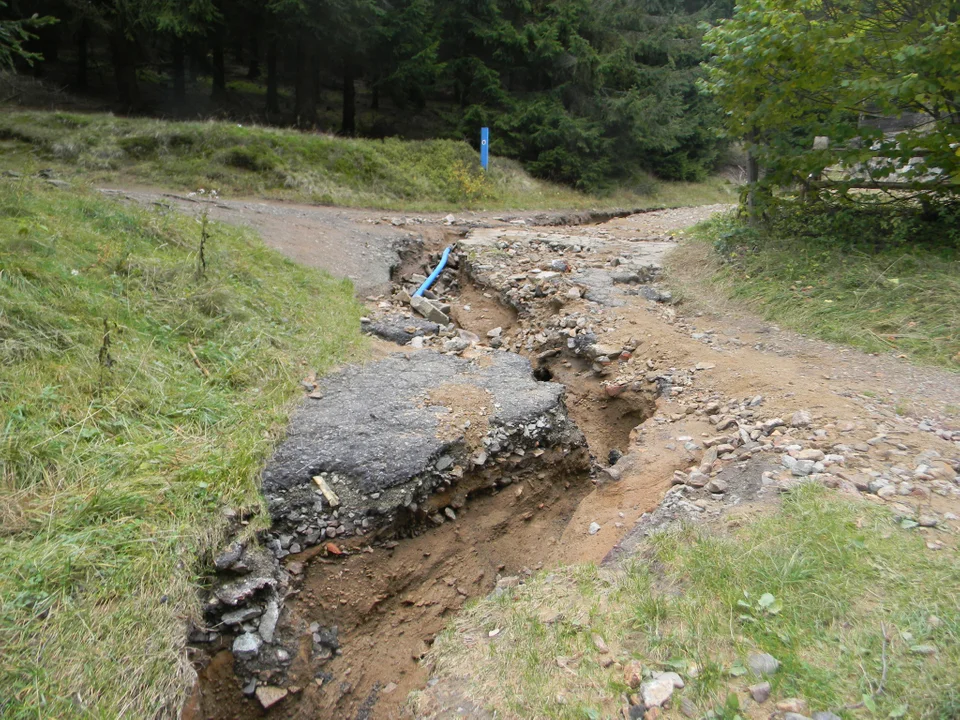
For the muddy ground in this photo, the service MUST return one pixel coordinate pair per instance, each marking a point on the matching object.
(650, 413)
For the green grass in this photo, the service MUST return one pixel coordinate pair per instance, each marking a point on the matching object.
(411, 175)
(117, 459)
(840, 573)
(877, 280)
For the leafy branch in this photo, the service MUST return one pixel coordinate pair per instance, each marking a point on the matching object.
(15, 33)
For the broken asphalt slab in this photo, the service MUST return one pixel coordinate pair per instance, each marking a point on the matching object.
(398, 328)
(382, 442)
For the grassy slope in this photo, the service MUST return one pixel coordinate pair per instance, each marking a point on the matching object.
(859, 289)
(420, 175)
(841, 573)
(113, 479)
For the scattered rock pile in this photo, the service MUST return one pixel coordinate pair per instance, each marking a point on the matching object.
(245, 603)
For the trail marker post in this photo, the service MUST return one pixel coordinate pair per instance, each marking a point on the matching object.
(484, 147)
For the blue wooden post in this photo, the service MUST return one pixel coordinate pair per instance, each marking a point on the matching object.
(484, 147)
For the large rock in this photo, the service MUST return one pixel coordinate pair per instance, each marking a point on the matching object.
(388, 435)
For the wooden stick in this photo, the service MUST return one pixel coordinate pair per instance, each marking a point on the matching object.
(196, 361)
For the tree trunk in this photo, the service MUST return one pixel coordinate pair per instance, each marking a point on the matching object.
(273, 98)
(179, 70)
(306, 101)
(47, 43)
(253, 70)
(753, 177)
(219, 70)
(375, 94)
(51, 44)
(197, 61)
(123, 52)
(349, 124)
(83, 36)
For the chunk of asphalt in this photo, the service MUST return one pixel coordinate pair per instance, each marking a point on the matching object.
(398, 328)
(380, 444)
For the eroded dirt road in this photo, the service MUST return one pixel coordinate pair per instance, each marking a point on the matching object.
(361, 245)
(672, 399)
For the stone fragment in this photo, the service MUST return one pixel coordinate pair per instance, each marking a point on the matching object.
(269, 695)
(769, 425)
(600, 644)
(229, 556)
(236, 617)
(247, 645)
(717, 485)
(633, 674)
(674, 678)
(236, 592)
(760, 692)
(656, 692)
(594, 528)
(792, 705)
(268, 623)
(428, 310)
(762, 664)
(800, 419)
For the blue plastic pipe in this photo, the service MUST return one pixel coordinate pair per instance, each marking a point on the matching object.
(434, 275)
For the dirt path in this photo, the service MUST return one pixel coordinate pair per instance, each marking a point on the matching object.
(362, 245)
(655, 387)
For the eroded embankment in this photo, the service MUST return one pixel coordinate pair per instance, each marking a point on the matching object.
(404, 488)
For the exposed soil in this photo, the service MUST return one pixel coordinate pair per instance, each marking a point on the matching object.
(390, 600)
(606, 421)
(478, 311)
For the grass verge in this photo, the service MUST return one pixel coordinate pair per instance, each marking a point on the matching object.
(140, 396)
(399, 174)
(836, 590)
(880, 280)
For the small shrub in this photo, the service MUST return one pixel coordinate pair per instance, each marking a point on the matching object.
(469, 184)
(181, 141)
(253, 158)
(139, 146)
